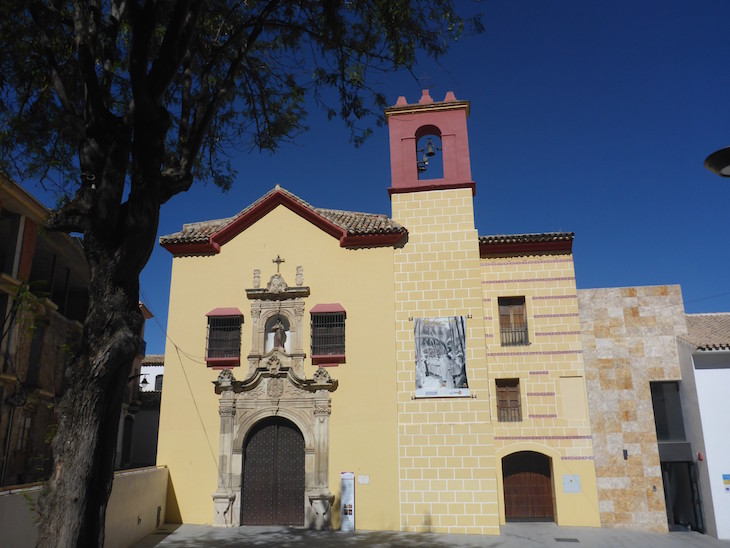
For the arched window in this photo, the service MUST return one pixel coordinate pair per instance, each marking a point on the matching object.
(429, 153)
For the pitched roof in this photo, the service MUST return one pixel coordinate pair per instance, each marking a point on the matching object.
(154, 359)
(352, 228)
(526, 243)
(150, 399)
(708, 331)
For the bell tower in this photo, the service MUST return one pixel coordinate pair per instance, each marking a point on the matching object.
(419, 132)
(438, 279)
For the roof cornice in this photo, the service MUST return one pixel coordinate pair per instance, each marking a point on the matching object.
(268, 203)
(525, 244)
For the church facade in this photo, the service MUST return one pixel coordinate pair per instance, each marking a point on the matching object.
(443, 369)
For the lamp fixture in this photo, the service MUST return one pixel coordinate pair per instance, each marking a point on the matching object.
(719, 162)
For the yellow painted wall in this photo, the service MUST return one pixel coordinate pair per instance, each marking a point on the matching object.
(363, 431)
(555, 419)
(447, 473)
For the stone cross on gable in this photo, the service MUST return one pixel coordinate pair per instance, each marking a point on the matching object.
(278, 262)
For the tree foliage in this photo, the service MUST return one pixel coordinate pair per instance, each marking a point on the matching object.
(122, 104)
(206, 75)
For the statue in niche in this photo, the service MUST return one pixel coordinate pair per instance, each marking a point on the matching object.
(279, 331)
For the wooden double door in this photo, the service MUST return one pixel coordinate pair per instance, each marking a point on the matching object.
(273, 474)
(528, 487)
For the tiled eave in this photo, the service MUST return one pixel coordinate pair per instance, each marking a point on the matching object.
(525, 244)
(229, 230)
(722, 347)
(708, 332)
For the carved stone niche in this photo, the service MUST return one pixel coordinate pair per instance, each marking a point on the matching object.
(277, 303)
(275, 385)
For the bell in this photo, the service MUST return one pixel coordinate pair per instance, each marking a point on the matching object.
(429, 149)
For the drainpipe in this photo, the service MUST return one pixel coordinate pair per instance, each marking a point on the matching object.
(6, 454)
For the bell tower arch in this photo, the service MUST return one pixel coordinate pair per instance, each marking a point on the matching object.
(408, 124)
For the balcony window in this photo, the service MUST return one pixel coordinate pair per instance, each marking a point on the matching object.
(224, 337)
(508, 400)
(328, 334)
(512, 321)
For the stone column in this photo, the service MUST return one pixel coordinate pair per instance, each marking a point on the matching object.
(224, 496)
(320, 498)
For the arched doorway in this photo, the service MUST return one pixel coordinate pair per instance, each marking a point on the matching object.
(272, 489)
(528, 487)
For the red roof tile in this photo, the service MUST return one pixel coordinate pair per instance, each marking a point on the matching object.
(349, 226)
(708, 331)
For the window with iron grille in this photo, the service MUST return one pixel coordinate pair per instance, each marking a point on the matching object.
(512, 321)
(224, 340)
(508, 400)
(328, 334)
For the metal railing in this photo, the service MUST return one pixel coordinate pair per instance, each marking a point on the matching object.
(328, 334)
(224, 337)
(509, 414)
(514, 336)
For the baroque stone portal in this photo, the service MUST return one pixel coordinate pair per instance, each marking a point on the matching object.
(275, 386)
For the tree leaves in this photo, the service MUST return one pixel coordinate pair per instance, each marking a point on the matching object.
(227, 74)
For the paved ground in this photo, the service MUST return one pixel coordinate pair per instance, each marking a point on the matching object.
(514, 535)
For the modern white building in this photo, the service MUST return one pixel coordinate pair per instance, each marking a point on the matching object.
(704, 356)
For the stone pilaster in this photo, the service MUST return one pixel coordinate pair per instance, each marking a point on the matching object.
(224, 497)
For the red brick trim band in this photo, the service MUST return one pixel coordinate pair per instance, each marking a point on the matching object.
(517, 438)
(550, 353)
(524, 248)
(420, 187)
(567, 315)
(528, 280)
(223, 363)
(328, 360)
(510, 263)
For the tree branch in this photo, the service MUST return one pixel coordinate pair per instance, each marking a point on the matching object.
(58, 85)
(179, 32)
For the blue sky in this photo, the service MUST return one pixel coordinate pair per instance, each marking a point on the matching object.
(586, 116)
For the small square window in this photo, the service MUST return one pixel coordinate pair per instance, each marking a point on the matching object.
(512, 321)
(508, 400)
(224, 338)
(328, 334)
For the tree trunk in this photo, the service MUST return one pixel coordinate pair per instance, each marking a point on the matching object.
(73, 505)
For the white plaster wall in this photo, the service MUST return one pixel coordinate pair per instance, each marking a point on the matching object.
(151, 371)
(130, 516)
(712, 378)
(693, 429)
(133, 505)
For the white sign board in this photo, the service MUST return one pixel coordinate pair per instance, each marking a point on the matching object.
(347, 496)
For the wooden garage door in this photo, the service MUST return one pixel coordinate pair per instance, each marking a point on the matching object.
(273, 474)
(528, 490)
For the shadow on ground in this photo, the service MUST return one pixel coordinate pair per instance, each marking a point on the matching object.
(513, 535)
